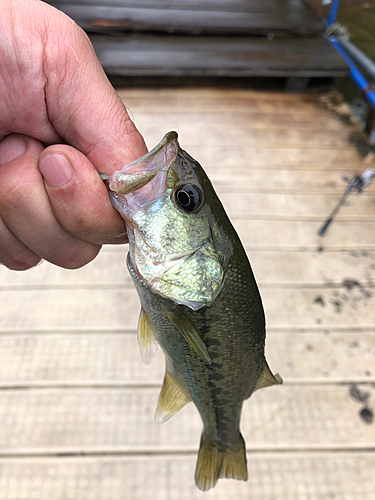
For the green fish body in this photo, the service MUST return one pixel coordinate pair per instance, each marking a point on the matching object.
(200, 301)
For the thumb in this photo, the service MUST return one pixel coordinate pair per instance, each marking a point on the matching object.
(79, 197)
(82, 104)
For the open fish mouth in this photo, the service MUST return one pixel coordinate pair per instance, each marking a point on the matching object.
(141, 172)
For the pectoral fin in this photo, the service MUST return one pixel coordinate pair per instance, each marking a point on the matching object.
(189, 332)
(171, 399)
(146, 340)
(267, 378)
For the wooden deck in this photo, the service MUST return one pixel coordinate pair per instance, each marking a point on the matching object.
(76, 402)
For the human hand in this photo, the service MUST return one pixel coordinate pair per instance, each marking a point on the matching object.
(61, 123)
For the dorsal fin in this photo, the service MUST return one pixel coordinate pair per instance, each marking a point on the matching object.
(171, 399)
(189, 332)
(146, 339)
(267, 378)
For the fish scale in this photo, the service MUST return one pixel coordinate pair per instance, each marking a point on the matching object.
(199, 300)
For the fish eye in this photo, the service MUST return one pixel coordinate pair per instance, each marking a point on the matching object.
(189, 197)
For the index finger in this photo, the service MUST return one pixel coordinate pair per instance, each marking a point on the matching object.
(82, 105)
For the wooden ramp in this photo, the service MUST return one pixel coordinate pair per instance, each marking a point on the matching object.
(207, 38)
(76, 402)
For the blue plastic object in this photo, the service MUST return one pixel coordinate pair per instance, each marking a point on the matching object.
(355, 73)
(333, 13)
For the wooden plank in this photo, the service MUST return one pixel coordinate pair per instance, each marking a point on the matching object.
(245, 118)
(231, 101)
(285, 476)
(239, 136)
(297, 235)
(254, 181)
(108, 19)
(270, 157)
(303, 193)
(233, 5)
(328, 269)
(211, 93)
(212, 56)
(323, 357)
(83, 479)
(121, 421)
(117, 309)
(297, 207)
(76, 359)
(90, 359)
(272, 269)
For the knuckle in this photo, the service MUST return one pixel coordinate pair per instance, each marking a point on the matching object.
(13, 193)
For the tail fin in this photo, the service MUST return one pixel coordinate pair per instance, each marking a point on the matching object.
(215, 462)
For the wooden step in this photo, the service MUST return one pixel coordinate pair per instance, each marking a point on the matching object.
(193, 17)
(147, 55)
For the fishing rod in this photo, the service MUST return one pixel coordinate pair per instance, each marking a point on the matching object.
(359, 183)
(338, 38)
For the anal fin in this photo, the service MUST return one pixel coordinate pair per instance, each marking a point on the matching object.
(146, 339)
(267, 378)
(171, 399)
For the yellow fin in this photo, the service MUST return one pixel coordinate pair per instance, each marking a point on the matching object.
(189, 332)
(267, 378)
(146, 340)
(215, 462)
(171, 399)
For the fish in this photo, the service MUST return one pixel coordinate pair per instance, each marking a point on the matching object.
(199, 300)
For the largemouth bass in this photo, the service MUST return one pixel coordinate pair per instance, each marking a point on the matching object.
(199, 300)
